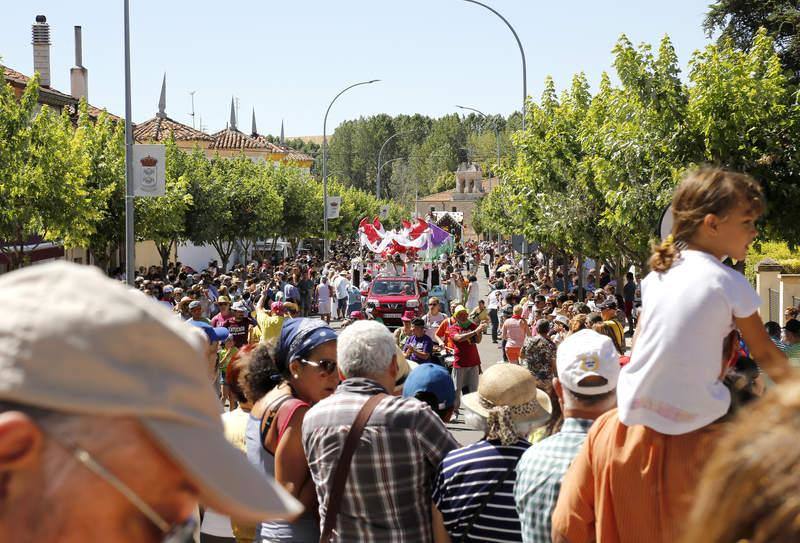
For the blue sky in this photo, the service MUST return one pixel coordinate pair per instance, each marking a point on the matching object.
(288, 59)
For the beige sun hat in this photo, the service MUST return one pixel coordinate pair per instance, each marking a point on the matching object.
(509, 385)
(131, 359)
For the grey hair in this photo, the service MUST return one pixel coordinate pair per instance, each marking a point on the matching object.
(365, 348)
(477, 422)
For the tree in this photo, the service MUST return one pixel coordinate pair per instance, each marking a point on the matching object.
(104, 142)
(162, 219)
(744, 112)
(739, 21)
(43, 170)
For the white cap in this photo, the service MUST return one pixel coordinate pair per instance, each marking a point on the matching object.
(587, 353)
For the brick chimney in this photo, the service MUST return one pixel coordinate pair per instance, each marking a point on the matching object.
(41, 49)
(78, 75)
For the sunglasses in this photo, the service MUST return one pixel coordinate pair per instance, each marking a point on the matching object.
(327, 366)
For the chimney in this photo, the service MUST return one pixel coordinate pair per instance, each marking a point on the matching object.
(41, 49)
(79, 76)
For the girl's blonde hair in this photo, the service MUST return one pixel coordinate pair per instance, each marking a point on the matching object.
(702, 192)
(749, 490)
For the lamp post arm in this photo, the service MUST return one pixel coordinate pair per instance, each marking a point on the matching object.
(522, 52)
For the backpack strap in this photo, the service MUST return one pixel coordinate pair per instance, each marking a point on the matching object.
(334, 501)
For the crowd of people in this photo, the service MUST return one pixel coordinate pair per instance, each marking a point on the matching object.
(617, 409)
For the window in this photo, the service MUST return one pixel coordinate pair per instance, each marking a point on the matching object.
(433, 208)
(455, 209)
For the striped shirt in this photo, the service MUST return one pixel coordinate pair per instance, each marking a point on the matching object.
(539, 475)
(466, 478)
(388, 492)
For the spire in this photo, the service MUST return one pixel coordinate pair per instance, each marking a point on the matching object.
(162, 101)
(253, 131)
(232, 123)
(283, 140)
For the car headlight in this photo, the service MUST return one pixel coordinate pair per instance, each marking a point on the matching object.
(412, 303)
(374, 301)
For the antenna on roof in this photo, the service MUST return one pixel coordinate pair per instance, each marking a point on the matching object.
(192, 113)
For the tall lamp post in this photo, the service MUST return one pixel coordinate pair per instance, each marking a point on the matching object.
(522, 52)
(325, 164)
(130, 241)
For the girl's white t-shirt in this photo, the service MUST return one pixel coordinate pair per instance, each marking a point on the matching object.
(672, 383)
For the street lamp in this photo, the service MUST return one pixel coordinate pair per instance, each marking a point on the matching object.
(380, 152)
(522, 52)
(325, 164)
(494, 122)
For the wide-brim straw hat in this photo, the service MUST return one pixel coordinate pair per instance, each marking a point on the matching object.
(510, 385)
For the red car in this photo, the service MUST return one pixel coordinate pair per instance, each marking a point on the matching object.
(393, 296)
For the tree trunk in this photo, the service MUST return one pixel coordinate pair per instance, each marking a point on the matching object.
(163, 252)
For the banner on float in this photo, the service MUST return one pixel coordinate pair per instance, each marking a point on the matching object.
(334, 206)
(149, 170)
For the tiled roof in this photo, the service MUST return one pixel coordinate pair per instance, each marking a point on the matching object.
(160, 128)
(290, 154)
(233, 139)
(49, 95)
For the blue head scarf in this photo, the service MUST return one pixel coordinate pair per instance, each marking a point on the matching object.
(299, 337)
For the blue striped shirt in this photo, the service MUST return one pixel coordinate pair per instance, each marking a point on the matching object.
(465, 479)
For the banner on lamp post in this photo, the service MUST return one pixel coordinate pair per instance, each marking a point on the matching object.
(149, 173)
(334, 206)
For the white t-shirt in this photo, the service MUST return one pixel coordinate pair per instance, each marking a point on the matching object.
(672, 383)
(341, 285)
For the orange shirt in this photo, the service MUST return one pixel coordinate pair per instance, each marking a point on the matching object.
(441, 332)
(630, 484)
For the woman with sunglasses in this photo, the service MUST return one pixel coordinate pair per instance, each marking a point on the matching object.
(305, 362)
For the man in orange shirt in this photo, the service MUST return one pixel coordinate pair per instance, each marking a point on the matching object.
(630, 484)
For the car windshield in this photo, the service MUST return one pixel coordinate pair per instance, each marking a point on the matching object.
(393, 288)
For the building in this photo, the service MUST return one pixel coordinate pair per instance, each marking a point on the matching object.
(460, 201)
(37, 250)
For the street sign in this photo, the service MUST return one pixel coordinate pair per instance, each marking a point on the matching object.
(518, 244)
(334, 205)
(384, 214)
(149, 174)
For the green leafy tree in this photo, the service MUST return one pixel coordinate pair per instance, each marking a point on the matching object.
(162, 219)
(740, 20)
(104, 142)
(43, 171)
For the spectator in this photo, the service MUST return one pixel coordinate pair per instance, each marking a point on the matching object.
(325, 293)
(588, 369)
(774, 332)
(465, 335)
(239, 324)
(608, 310)
(109, 455)
(432, 384)
(306, 361)
(418, 347)
(515, 330)
(749, 489)
(398, 453)
(405, 331)
(196, 312)
(791, 332)
(473, 494)
(629, 296)
(220, 319)
(433, 318)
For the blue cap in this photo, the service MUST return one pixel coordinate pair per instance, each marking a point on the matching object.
(214, 333)
(432, 378)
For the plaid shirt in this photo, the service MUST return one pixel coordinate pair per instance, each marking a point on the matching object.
(388, 492)
(539, 474)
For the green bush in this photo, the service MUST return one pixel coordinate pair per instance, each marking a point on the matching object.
(776, 250)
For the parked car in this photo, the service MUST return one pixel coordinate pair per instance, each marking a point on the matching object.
(392, 296)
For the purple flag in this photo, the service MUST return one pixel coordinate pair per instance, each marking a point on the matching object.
(438, 236)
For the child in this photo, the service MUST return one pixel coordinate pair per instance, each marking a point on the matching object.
(226, 354)
(690, 303)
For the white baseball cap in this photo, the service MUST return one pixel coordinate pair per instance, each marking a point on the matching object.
(132, 358)
(587, 353)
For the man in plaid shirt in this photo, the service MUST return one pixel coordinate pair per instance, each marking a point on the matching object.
(387, 496)
(588, 368)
